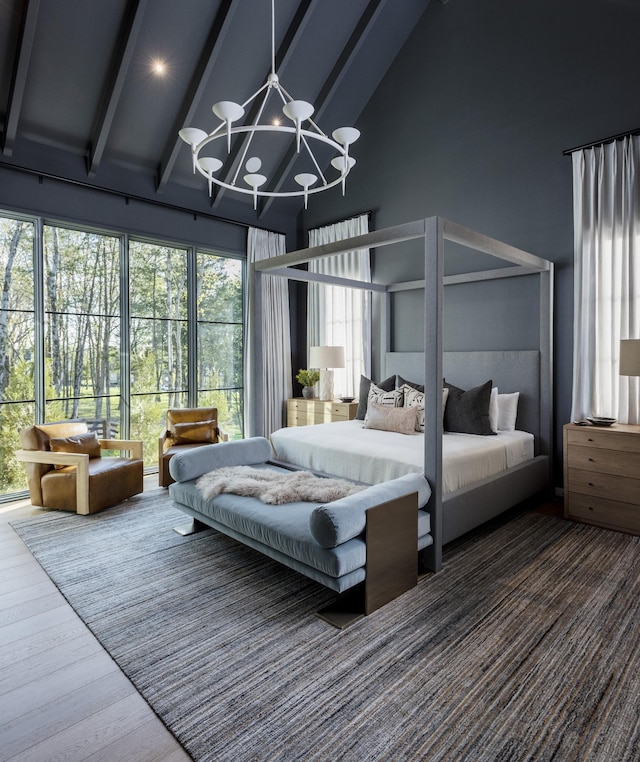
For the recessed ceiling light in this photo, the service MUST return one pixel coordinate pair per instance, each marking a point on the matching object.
(159, 67)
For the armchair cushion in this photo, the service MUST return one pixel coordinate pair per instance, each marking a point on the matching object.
(86, 443)
(189, 415)
(198, 431)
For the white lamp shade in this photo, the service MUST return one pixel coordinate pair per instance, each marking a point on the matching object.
(630, 357)
(326, 357)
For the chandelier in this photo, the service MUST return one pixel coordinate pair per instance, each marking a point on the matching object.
(308, 138)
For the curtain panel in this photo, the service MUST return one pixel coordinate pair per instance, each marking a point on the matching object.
(606, 206)
(338, 316)
(275, 381)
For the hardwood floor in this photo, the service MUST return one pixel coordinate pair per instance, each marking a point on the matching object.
(62, 697)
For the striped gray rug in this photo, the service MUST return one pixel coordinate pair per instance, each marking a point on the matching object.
(526, 646)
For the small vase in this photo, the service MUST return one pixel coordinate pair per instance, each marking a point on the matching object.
(307, 392)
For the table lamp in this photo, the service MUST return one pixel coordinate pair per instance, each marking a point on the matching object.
(325, 359)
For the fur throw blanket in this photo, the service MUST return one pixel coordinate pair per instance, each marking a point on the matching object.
(274, 487)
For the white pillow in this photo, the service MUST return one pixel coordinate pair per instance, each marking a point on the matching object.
(507, 411)
(493, 409)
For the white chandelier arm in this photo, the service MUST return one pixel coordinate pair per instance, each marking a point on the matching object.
(313, 159)
(255, 95)
(251, 135)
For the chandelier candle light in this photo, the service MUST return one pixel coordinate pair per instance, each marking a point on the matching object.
(297, 111)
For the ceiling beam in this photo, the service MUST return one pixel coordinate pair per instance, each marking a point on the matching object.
(349, 53)
(127, 40)
(197, 87)
(283, 56)
(19, 77)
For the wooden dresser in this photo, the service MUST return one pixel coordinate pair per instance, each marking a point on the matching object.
(302, 412)
(602, 476)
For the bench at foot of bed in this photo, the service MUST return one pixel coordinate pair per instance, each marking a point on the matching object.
(364, 545)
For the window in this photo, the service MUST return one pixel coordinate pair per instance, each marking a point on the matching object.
(82, 328)
(220, 339)
(158, 339)
(73, 345)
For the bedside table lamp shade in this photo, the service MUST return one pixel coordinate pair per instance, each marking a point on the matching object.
(630, 357)
(325, 359)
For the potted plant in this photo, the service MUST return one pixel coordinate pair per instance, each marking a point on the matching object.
(308, 379)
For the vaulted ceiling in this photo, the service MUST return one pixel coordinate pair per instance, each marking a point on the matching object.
(81, 98)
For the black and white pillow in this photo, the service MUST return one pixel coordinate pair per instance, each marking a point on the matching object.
(365, 384)
(378, 396)
(414, 398)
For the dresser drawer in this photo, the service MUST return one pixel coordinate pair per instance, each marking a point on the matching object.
(617, 462)
(610, 438)
(610, 514)
(621, 488)
(302, 412)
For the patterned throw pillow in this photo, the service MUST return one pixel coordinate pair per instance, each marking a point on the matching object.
(378, 396)
(414, 398)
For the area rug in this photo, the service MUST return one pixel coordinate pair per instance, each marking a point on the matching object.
(525, 647)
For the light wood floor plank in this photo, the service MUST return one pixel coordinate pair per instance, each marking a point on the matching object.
(142, 746)
(51, 626)
(61, 694)
(8, 599)
(90, 734)
(44, 663)
(27, 609)
(29, 697)
(52, 719)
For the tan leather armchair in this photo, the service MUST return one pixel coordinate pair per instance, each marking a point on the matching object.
(66, 470)
(186, 428)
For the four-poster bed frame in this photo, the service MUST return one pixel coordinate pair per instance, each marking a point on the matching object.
(529, 371)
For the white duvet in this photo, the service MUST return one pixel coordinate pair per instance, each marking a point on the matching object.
(345, 448)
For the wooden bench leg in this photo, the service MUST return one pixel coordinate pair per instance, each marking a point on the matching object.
(392, 562)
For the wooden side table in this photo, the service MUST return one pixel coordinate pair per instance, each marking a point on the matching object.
(602, 476)
(303, 412)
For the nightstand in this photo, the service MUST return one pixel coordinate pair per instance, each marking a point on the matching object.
(303, 412)
(602, 476)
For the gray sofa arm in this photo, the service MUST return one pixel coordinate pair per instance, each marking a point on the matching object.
(339, 521)
(192, 463)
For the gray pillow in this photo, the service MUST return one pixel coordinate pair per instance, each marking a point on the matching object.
(468, 412)
(400, 381)
(387, 385)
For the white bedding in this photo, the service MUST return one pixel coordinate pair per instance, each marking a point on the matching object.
(345, 448)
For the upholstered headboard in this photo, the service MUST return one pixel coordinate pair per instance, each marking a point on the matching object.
(510, 371)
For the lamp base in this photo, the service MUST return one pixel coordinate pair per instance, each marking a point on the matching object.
(325, 388)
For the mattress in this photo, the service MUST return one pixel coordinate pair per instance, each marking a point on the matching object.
(345, 448)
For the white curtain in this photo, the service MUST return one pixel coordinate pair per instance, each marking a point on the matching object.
(338, 316)
(275, 380)
(606, 278)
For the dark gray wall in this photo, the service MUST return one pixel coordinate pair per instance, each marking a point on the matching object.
(470, 124)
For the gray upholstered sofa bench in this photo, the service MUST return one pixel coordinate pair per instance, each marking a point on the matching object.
(370, 537)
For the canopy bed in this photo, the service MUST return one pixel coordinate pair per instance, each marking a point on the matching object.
(457, 503)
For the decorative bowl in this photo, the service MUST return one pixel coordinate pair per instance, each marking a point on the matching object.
(347, 399)
(598, 421)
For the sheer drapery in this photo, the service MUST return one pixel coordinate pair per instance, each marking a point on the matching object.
(606, 209)
(338, 316)
(275, 380)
